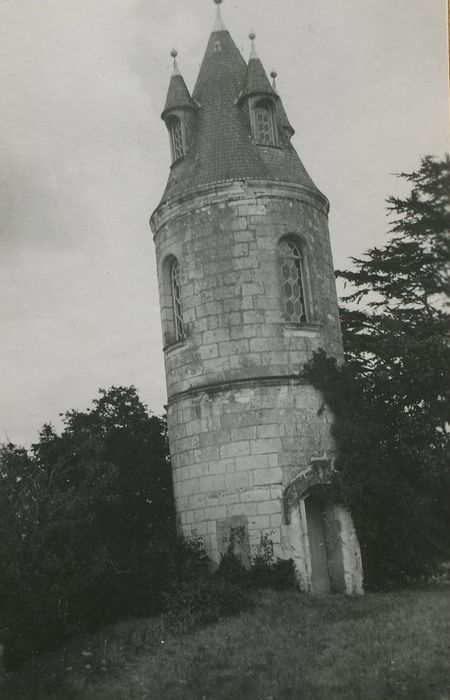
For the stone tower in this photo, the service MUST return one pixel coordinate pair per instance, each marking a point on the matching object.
(247, 294)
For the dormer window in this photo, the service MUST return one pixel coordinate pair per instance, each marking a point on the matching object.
(263, 123)
(176, 138)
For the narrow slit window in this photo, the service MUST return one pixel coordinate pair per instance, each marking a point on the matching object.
(291, 261)
(176, 135)
(264, 131)
(176, 300)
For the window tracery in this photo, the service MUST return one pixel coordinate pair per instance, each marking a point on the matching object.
(264, 126)
(176, 135)
(291, 261)
(176, 299)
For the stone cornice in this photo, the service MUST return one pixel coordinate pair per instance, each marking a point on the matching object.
(229, 385)
(232, 191)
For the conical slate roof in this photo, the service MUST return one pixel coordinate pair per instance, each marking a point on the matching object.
(256, 80)
(282, 117)
(178, 95)
(221, 147)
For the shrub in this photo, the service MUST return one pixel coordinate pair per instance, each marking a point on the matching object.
(266, 572)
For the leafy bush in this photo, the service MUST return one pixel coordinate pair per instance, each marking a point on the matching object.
(84, 514)
(266, 572)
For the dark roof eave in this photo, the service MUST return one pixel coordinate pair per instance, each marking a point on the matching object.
(172, 108)
(245, 94)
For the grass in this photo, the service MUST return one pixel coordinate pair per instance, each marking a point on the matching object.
(289, 647)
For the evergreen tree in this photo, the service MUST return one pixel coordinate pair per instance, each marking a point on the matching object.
(392, 398)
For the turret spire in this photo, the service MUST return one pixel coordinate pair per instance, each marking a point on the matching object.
(273, 75)
(178, 96)
(256, 80)
(253, 53)
(219, 25)
(174, 54)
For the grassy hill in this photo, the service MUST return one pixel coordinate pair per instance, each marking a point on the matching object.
(288, 647)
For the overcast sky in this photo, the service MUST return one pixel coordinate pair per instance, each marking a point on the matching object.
(85, 157)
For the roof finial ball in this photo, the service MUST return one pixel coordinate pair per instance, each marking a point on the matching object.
(273, 75)
(174, 54)
(252, 37)
(219, 26)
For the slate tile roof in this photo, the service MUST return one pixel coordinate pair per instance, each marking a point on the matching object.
(221, 146)
(178, 95)
(256, 81)
(282, 117)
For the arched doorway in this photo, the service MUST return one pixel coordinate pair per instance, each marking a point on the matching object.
(315, 522)
(319, 534)
(323, 527)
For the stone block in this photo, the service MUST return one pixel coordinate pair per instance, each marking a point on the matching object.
(216, 482)
(251, 462)
(233, 347)
(215, 512)
(276, 520)
(199, 515)
(269, 507)
(207, 352)
(259, 522)
(189, 487)
(237, 480)
(235, 509)
(271, 430)
(207, 454)
(187, 518)
(263, 477)
(239, 250)
(265, 446)
(248, 432)
(255, 495)
(215, 336)
(235, 449)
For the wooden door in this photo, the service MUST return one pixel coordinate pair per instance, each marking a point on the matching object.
(320, 577)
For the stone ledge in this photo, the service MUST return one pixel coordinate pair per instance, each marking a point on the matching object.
(219, 387)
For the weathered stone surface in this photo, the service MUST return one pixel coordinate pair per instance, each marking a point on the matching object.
(243, 425)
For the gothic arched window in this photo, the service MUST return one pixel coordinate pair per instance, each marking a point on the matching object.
(292, 273)
(176, 299)
(176, 138)
(263, 123)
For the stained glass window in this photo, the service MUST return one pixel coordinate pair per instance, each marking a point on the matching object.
(176, 299)
(291, 261)
(177, 139)
(264, 124)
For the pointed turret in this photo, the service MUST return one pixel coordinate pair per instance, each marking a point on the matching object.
(233, 127)
(178, 96)
(219, 25)
(256, 80)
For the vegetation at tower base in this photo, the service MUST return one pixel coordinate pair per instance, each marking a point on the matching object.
(87, 534)
(85, 521)
(391, 399)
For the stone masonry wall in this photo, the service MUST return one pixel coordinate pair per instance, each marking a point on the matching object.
(226, 243)
(235, 450)
(241, 423)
